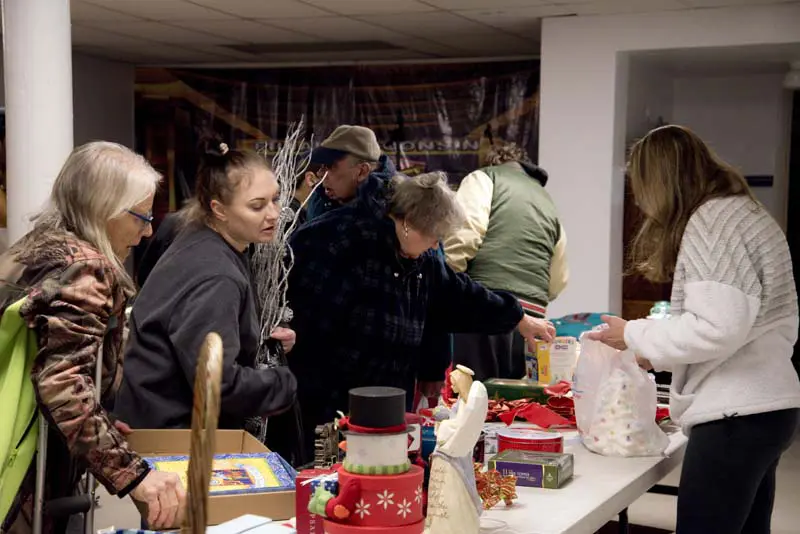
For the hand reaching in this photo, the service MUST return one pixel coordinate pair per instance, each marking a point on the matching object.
(532, 329)
(165, 497)
(123, 428)
(613, 335)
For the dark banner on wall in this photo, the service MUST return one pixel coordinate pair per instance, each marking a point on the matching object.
(427, 117)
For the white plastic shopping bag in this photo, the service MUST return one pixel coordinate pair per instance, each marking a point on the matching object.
(615, 403)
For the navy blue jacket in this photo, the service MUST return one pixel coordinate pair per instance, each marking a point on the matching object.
(362, 311)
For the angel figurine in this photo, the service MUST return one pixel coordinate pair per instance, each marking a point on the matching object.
(454, 506)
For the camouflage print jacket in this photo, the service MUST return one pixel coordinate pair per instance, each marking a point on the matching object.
(75, 304)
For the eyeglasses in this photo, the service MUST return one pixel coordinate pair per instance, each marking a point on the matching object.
(146, 219)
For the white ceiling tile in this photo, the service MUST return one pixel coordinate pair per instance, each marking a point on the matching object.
(425, 24)
(84, 35)
(346, 29)
(83, 11)
(163, 9)
(264, 9)
(185, 55)
(609, 7)
(141, 54)
(222, 51)
(454, 5)
(246, 31)
(368, 55)
(369, 7)
(163, 33)
(723, 3)
(495, 43)
(116, 55)
(333, 28)
(525, 22)
(429, 48)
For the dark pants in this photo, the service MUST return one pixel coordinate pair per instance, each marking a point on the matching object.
(728, 478)
(491, 356)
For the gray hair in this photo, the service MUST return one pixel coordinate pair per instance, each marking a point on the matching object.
(99, 182)
(426, 203)
(505, 153)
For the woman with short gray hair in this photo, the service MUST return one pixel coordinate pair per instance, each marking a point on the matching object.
(369, 295)
(66, 281)
(425, 209)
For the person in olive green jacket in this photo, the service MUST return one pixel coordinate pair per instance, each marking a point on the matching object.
(512, 241)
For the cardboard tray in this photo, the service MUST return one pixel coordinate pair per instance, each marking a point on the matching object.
(221, 508)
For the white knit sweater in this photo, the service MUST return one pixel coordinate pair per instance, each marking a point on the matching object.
(734, 317)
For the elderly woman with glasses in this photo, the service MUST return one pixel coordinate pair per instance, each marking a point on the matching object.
(369, 293)
(66, 281)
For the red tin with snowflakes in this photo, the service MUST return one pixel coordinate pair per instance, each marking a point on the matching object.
(343, 528)
(387, 500)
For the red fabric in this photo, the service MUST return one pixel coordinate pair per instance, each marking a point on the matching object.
(344, 424)
(558, 390)
(536, 414)
(447, 390)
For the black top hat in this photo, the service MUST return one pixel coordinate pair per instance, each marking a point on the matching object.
(377, 410)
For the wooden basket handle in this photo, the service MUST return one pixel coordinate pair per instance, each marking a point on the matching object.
(205, 417)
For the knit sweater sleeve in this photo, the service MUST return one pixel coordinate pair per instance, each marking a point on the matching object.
(720, 291)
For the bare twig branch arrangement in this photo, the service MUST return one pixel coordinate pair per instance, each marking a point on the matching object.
(272, 262)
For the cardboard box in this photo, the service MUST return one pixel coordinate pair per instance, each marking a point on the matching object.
(221, 508)
(547, 470)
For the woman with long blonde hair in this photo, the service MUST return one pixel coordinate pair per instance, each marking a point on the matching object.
(730, 339)
(69, 271)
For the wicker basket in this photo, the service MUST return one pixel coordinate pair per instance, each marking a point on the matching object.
(205, 417)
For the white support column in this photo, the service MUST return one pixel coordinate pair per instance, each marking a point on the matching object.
(37, 52)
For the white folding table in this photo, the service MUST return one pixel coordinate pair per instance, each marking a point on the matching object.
(601, 488)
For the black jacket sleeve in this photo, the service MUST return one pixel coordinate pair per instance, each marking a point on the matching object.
(459, 305)
(214, 306)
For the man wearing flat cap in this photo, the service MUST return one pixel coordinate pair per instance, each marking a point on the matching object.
(346, 158)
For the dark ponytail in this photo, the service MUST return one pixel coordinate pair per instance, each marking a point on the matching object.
(220, 173)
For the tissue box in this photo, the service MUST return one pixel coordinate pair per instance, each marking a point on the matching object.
(535, 469)
(306, 522)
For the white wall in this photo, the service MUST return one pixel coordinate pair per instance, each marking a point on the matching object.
(103, 104)
(583, 121)
(651, 97)
(103, 99)
(743, 118)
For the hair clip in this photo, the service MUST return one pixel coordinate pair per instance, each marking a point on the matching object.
(223, 148)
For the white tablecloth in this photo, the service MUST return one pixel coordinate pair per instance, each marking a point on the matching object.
(601, 488)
